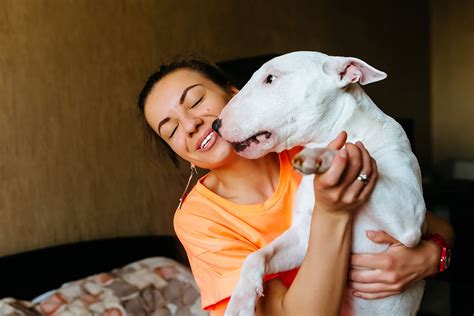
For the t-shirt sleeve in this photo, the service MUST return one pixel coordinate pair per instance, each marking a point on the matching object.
(215, 252)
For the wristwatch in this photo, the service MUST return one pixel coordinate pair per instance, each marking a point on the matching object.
(445, 258)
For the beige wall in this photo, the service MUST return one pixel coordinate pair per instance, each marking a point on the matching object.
(452, 80)
(72, 162)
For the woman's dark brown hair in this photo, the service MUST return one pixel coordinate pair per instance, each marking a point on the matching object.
(207, 69)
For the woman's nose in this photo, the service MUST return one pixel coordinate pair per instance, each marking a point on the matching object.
(191, 125)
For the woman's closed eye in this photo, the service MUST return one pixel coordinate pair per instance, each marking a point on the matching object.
(174, 131)
(197, 102)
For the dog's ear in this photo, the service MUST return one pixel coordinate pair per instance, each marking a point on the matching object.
(351, 70)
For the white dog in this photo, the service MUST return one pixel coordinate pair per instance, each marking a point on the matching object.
(308, 98)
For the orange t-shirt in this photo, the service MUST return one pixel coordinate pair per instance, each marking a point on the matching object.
(218, 234)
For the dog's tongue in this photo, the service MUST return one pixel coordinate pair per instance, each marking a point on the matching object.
(255, 139)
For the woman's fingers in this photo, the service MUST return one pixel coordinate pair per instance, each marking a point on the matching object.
(372, 264)
(371, 276)
(365, 261)
(339, 141)
(339, 187)
(371, 296)
(374, 287)
(384, 274)
(362, 166)
(331, 177)
(367, 190)
(354, 165)
(380, 276)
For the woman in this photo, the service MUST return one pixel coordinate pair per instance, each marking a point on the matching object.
(241, 205)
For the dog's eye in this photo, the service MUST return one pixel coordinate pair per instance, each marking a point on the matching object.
(269, 79)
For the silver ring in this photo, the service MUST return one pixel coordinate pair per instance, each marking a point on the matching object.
(364, 178)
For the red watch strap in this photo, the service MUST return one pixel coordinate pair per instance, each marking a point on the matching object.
(438, 239)
(442, 260)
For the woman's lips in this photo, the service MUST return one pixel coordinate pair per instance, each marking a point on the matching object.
(207, 140)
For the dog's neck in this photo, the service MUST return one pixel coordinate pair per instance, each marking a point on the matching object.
(348, 108)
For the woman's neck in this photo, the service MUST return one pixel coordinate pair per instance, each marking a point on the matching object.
(246, 181)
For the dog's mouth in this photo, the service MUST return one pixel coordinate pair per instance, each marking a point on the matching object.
(255, 139)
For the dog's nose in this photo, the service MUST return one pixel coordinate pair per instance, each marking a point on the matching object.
(216, 125)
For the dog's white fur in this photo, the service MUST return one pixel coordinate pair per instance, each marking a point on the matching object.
(308, 100)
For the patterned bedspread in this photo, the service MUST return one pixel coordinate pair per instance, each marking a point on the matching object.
(155, 286)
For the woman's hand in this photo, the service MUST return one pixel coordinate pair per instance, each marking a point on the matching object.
(380, 275)
(338, 188)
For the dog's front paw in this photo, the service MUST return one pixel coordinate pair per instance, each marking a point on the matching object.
(313, 160)
(244, 300)
(249, 288)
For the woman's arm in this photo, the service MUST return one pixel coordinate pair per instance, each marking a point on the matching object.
(391, 272)
(437, 225)
(321, 279)
(319, 285)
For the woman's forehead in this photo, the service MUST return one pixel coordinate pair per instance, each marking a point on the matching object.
(170, 87)
(183, 77)
(168, 91)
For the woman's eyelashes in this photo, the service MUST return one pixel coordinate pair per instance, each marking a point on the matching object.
(174, 131)
(197, 102)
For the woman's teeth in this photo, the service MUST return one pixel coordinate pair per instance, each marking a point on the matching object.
(206, 141)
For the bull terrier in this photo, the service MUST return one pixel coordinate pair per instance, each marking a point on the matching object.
(307, 99)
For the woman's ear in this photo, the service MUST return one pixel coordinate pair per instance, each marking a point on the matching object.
(233, 89)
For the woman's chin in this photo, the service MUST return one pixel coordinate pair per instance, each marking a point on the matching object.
(218, 156)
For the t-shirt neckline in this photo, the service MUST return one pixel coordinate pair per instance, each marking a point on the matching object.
(276, 196)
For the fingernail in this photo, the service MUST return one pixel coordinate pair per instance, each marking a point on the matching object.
(343, 152)
(370, 233)
(355, 293)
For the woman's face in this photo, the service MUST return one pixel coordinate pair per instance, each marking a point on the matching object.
(181, 108)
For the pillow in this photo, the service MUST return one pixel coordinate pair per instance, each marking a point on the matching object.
(153, 286)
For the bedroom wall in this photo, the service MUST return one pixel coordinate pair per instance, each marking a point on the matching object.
(452, 80)
(72, 160)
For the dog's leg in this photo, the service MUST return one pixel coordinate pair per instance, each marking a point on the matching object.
(284, 253)
(403, 217)
(313, 160)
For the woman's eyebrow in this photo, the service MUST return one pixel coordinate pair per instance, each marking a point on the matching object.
(181, 101)
(183, 96)
(163, 121)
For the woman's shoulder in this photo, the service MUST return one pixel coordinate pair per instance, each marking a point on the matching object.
(196, 211)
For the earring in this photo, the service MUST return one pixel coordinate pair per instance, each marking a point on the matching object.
(191, 175)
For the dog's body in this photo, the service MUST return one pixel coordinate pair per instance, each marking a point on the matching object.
(307, 98)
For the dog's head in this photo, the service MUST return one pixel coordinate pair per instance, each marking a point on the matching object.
(287, 98)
